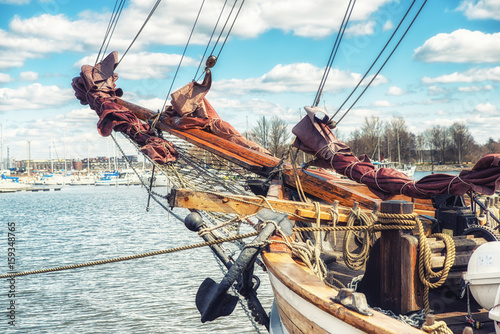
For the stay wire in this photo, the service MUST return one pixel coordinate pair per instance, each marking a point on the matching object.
(338, 39)
(114, 27)
(112, 22)
(230, 29)
(210, 40)
(376, 59)
(140, 30)
(183, 54)
(385, 62)
(225, 24)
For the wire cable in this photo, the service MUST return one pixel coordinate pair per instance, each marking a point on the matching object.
(338, 39)
(376, 59)
(210, 40)
(183, 54)
(113, 20)
(385, 62)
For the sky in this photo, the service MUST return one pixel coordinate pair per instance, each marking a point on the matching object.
(445, 70)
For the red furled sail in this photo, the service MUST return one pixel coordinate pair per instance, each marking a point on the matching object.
(96, 87)
(315, 137)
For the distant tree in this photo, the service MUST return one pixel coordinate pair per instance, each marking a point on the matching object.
(402, 142)
(438, 138)
(371, 132)
(491, 146)
(273, 135)
(461, 139)
(260, 132)
(279, 137)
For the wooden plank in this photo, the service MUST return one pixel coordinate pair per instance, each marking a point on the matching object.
(411, 285)
(219, 202)
(392, 272)
(242, 156)
(303, 282)
(293, 320)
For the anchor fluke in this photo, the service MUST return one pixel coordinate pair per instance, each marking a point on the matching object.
(213, 301)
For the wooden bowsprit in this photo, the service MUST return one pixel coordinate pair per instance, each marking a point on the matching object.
(326, 187)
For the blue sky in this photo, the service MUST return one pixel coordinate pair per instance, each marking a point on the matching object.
(447, 69)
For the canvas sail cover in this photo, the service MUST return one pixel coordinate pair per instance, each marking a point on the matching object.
(96, 87)
(190, 109)
(315, 137)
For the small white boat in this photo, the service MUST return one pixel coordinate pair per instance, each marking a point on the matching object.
(118, 179)
(406, 169)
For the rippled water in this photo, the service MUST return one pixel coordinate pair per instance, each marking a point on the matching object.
(81, 224)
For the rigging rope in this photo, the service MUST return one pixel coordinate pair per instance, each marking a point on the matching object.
(183, 54)
(385, 62)
(140, 30)
(210, 40)
(117, 10)
(376, 59)
(335, 48)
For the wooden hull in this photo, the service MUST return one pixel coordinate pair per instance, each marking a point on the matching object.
(304, 303)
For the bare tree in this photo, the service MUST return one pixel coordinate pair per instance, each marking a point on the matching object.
(273, 135)
(278, 137)
(260, 132)
(461, 138)
(371, 132)
(438, 139)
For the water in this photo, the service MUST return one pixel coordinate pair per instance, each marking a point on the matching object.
(419, 175)
(82, 224)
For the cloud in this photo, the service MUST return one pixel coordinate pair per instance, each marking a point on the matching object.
(486, 108)
(460, 46)
(35, 37)
(4, 77)
(28, 76)
(469, 89)
(382, 103)
(482, 9)
(34, 96)
(388, 25)
(144, 65)
(393, 90)
(362, 28)
(298, 77)
(436, 90)
(472, 75)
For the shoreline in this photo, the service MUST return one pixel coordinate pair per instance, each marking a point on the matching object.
(441, 168)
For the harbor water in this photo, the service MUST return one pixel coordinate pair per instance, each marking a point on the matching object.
(88, 223)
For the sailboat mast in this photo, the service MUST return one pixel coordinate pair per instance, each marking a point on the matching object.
(399, 151)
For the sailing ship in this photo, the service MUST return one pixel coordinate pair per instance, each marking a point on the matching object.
(348, 256)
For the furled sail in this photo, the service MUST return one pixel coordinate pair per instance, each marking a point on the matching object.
(314, 136)
(96, 87)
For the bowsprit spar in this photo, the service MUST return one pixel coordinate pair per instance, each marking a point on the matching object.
(176, 141)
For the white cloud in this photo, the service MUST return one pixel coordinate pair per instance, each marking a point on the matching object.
(472, 75)
(382, 103)
(28, 76)
(482, 9)
(460, 46)
(4, 77)
(436, 90)
(298, 77)
(393, 90)
(388, 25)
(469, 89)
(144, 65)
(363, 28)
(34, 96)
(486, 108)
(34, 37)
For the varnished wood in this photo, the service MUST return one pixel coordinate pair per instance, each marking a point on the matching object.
(304, 283)
(185, 198)
(392, 261)
(411, 286)
(328, 189)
